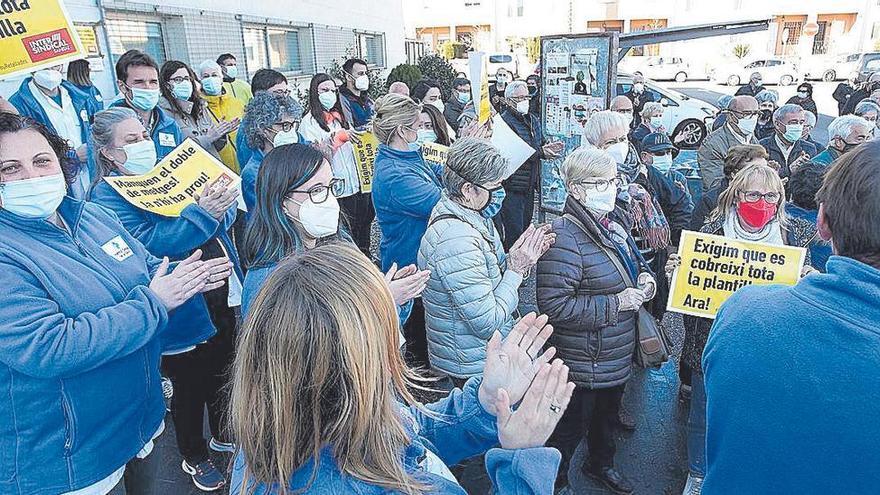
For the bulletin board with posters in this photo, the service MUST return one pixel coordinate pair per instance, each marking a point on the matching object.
(578, 74)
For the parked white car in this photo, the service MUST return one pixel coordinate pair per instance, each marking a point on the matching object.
(666, 69)
(684, 118)
(507, 61)
(773, 71)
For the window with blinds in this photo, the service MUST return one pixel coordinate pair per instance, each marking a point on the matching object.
(146, 36)
(273, 48)
(372, 48)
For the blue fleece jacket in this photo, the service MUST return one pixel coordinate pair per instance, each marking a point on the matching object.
(792, 385)
(166, 134)
(459, 429)
(249, 180)
(405, 192)
(177, 238)
(79, 350)
(95, 101)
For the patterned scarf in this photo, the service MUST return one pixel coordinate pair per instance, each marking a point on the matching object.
(647, 217)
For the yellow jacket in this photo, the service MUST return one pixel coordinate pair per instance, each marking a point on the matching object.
(239, 89)
(226, 107)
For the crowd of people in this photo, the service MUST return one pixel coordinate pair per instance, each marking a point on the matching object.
(320, 369)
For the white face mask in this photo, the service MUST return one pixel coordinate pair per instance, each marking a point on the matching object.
(319, 219)
(37, 197)
(600, 203)
(522, 107)
(803, 94)
(281, 138)
(638, 87)
(327, 99)
(48, 79)
(439, 105)
(747, 124)
(656, 122)
(140, 157)
(619, 151)
(362, 83)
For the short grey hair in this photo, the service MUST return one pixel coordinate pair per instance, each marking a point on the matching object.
(208, 64)
(866, 106)
(472, 161)
(264, 109)
(101, 137)
(767, 95)
(509, 90)
(600, 123)
(584, 163)
(651, 107)
(843, 126)
(785, 110)
(811, 118)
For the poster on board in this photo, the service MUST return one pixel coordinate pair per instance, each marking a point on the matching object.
(578, 74)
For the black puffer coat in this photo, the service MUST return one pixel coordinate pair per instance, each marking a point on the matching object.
(528, 128)
(576, 288)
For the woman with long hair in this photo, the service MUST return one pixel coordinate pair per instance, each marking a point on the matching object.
(324, 121)
(432, 127)
(79, 73)
(752, 208)
(181, 99)
(320, 398)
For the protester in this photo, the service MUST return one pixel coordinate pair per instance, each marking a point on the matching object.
(592, 306)
(238, 88)
(752, 208)
(638, 96)
(224, 108)
(433, 127)
(844, 91)
(79, 74)
(461, 95)
(63, 109)
(519, 205)
(326, 120)
(427, 92)
(862, 92)
(767, 101)
(503, 77)
(844, 134)
(137, 76)
(80, 328)
(803, 186)
(869, 111)
(651, 122)
(184, 104)
(738, 158)
(534, 84)
(804, 98)
(473, 289)
(753, 87)
(399, 87)
(321, 346)
(813, 430)
(623, 106)
(196, 366)
(405, 192)
(786, 147)
(721, 117)
(742, 117)
(263, 80)
(357, 106)
(270, 120)
(809, 126)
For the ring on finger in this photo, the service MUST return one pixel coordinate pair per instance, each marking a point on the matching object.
(555, 409)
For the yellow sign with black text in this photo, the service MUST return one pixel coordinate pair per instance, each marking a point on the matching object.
(714, 267)
(35, 34)
(435, 154)
(365, 149)
(170, 186)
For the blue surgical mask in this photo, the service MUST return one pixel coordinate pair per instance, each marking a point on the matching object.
(140, 157)
(37, 197)
(327, 99)
(281, 138)
(464, 97)
(662, 163)
(213, 85)
(182, 90)
(231, 71)
(496, 199)
(144, 99)
(793, 132)
(656, 122)
(426, 136)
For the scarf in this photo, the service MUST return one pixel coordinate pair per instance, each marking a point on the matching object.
(646, 216)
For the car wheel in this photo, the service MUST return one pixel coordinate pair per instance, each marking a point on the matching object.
(689, 134)
(829, 76)
(733, 80)
(786, 80)
(681, 77)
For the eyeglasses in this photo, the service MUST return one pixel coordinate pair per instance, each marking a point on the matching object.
(178, 80)
(286, 126)
(626, 111)
(755, 196)
(601, 185)
(318, 194)
(281, 92)
(517, 99)
(746, 114)
(662, 153)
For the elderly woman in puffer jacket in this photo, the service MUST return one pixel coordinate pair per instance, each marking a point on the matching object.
(474, 287)
(591, 286)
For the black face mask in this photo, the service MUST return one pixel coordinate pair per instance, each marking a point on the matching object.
(533, 90)
(847, 147)
(766, 114)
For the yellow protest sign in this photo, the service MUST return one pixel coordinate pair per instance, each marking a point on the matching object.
(479, 71)
(35, 34)
(714, 267)
(365, 159)
(170, 186)
(89, 40)
(434, 153)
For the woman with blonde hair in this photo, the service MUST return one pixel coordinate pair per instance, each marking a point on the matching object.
(320, 400)
(752, 208)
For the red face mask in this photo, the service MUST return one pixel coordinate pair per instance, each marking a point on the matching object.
(757, 214)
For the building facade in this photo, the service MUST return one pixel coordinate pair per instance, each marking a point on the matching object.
(296, 37)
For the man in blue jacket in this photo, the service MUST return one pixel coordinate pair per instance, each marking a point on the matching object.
(844, 133)
(791, 372)
(785, 146)
(137, 77)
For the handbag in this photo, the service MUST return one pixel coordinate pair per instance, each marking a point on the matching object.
(654, 346)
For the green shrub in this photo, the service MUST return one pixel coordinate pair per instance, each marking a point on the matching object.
(438, 68)
(406, 73)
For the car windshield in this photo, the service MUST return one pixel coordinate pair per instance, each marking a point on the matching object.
(872, 64)
(499, 59)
